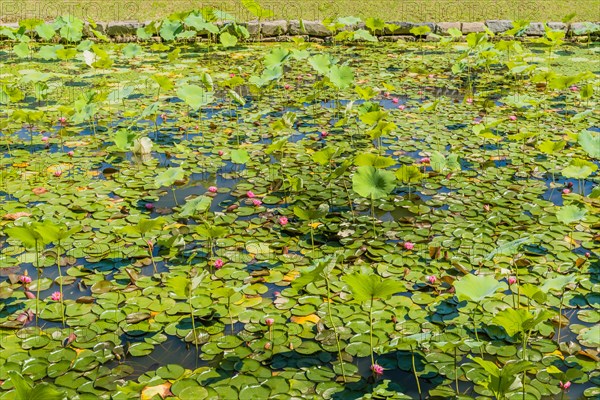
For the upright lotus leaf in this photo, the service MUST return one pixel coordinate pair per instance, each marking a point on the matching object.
(209, 231)
(571, 213)
(195, 206)
(375, 24)
(169, 177)
(194, 96)
(51, 232)
(321, 63)
(520, 320)
(311, 214)
(144, 226)
(440, 163)
(256, 9)
(240, 156)
(45, 31)
(373, 183)
(341, 76)
(408, 174)
(373, 160)
(314, 273)
(28, 234)
(276, 57)
(325, 156)
(499, 381)
(550, 147)
(420, 30)
(41, 391)
(131, 50)
(277, 145)
(558, 283)
(227, 39)
(590, 142)
(124, 139)
(476, 287)
(579, 169)
(366, 287)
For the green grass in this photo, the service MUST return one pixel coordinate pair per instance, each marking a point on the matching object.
(390, 10)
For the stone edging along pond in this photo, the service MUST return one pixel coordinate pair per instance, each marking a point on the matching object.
(282, 30)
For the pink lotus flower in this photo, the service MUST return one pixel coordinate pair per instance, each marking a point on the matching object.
(324, 134)
(409, 245)
(212, 189)
(25, 279)
(469, 100)
(256, 202)
(513, 117)
(425, 160)
(268, 346)
(420, 92)
(62, 120)
(196, 127)
(431, 279)
(309, 75)
(149, 206)
(45, 139)
(276, 293)
(565, 386)
(218, 263)
(377, 369)
(395, 100)
(386, 94)
(232, 75)
(587, 254)
(221, 153)
(269, 321)
(39, 190)
(574, 88)
(57, 173)
(566, 191)
(487, 207)
(287, 86)
(283, 221)
(71, 153)
(55, 296)
(512, 280)
(401, 107)
(250, 194)
(431, 76)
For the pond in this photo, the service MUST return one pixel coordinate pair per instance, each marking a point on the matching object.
(298, 220)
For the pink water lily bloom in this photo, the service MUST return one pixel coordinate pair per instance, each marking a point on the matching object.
(431, 279)
(212, 189)
(566, 191)
(377, 369)
(395, 100)
(469, 100)
(25, 279)
(218, 263)
(401, 107)
(269, 321)
(57, 173)
(250, 194)
(256, 202)
(513, 117)
(512, 280)
(55, 296)
(565, 386)
(283, 221)
(409, 245)
(425, 160)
